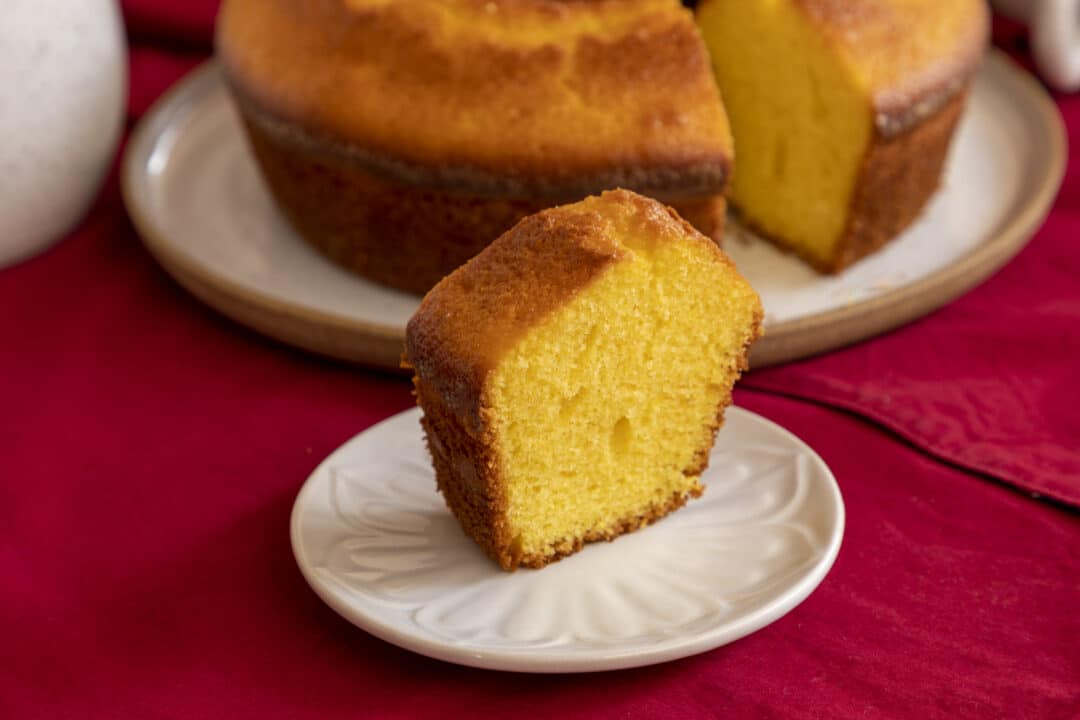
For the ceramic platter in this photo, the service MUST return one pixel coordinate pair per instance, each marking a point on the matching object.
(374, 539)
(195, 195)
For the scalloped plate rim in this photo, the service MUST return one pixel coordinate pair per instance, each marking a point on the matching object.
(526, 660)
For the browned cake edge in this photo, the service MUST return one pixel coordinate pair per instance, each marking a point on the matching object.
(901, 108)
(452, 355)
(559, 183)
(466, 474)
(403, 230)
(897, 177)
(395, 235)
(445, 85)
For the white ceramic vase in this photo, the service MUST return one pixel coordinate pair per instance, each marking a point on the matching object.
(63, 94)
(1055, 37)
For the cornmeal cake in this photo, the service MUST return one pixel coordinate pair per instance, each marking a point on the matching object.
(573, 375)
(399, 138)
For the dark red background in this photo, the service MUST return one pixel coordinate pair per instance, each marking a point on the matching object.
(150, 451)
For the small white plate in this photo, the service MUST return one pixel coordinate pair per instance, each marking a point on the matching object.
(195, 194)
(375, 540)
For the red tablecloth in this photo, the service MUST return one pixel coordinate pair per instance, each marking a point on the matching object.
(150, 451)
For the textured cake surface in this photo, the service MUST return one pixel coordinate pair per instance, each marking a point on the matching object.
(573, 375)
(537, 96)
(842, 112)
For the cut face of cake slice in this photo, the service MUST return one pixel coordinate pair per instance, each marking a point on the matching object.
(842, 113)
(574, 374)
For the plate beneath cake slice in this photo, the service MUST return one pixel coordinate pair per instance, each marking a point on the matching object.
(196, 197)
(375, 540)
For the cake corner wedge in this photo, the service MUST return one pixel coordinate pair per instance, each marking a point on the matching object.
(842, 113)
(574, 374)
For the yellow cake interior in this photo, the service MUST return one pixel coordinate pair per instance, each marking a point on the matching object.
(800, 117)
(602, 407)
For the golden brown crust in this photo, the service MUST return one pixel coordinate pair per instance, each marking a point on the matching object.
(398, 236)
(522, 91)
(403, 235)
(898, 176)
(466, 473)
(913, 57)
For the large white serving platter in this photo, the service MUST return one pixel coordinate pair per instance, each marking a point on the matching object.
(194, 192)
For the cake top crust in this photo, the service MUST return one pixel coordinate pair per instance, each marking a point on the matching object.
(912, 56)
(467, 322)
(549, 96)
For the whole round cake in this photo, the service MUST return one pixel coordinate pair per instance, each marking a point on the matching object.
(400, 138)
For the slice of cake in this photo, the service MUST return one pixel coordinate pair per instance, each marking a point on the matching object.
(573, 375)
(841, 112)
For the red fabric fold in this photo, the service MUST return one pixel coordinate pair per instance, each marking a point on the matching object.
(988, 382)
